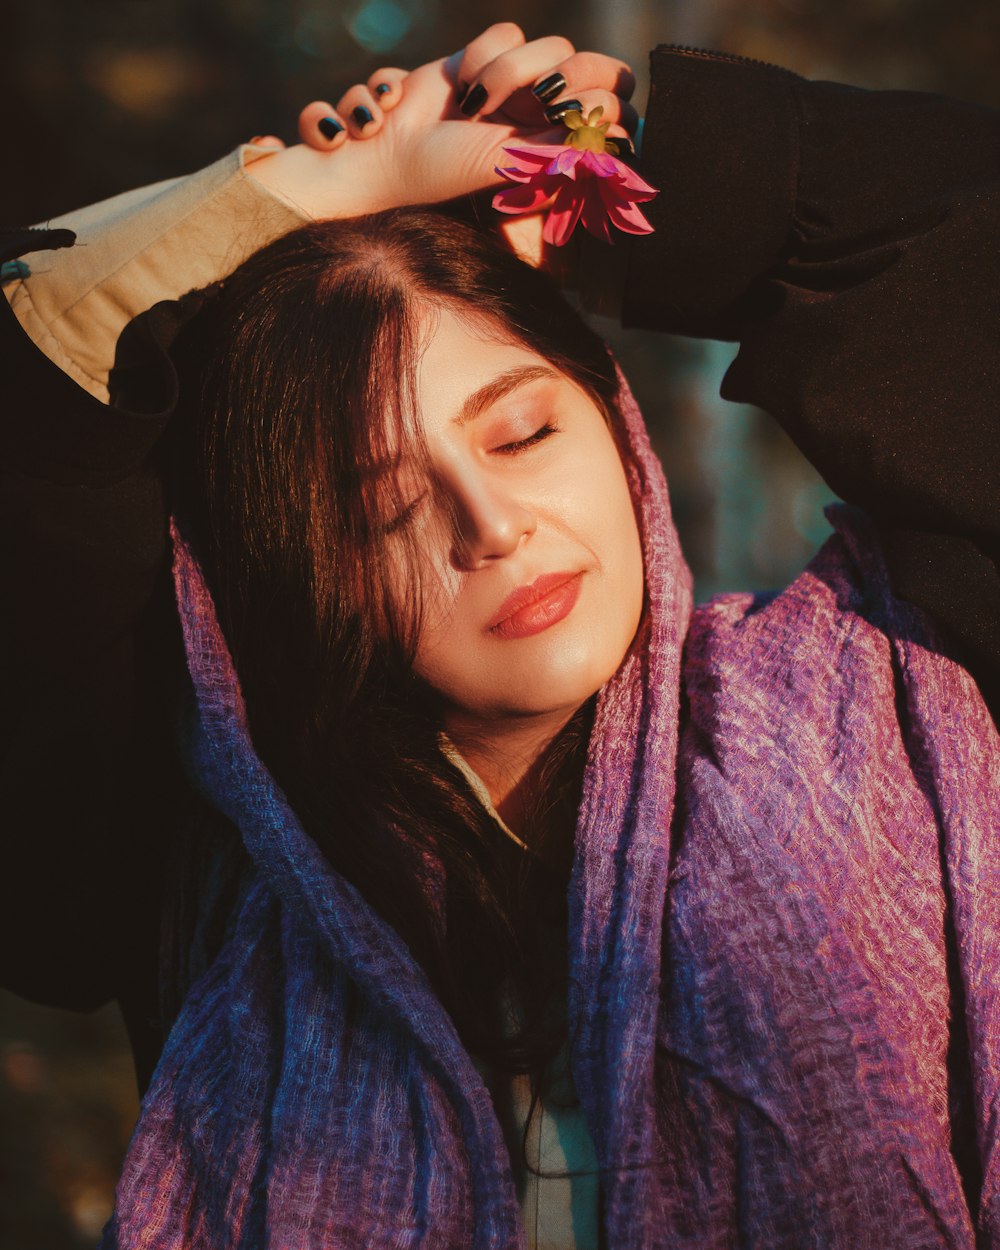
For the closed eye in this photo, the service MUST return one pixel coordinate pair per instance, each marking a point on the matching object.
(403, 518)
(522, 444)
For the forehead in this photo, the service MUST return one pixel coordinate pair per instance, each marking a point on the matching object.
(461, 358)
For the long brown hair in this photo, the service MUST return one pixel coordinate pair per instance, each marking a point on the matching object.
(305, 363)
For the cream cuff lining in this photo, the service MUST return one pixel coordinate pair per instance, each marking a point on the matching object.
(136, 249)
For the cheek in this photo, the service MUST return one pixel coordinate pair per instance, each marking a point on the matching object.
(604, 509)
(618, 546)
(427, 595)
(624, 574)
(421, 588)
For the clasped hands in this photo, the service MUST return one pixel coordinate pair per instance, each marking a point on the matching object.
(437, 132)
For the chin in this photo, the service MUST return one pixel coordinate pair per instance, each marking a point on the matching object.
(533, 686)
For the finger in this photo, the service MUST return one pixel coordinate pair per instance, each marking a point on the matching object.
(620, 144)
(512, 69)
(266, 141)
(493, 42)
(523, 236)
(386, 85)
(321, 127)
(584, 71)
(359, 106)
(614, 110)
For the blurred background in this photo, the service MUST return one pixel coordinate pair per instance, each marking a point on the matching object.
(103, 95)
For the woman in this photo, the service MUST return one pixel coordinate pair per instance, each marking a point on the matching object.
(780, 1019)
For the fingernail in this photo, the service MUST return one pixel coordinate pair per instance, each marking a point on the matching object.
(362, 116)
(461, 91)
(329, 127)
(558, 111)
(12, 269)
(383, 89)
(549, 88)
(624, 147)
(475, 100)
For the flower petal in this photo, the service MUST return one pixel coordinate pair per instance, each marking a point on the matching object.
(563, 215)
(628, 218)
(594, 215)
(603, 164)
(566, 162)
(512, 174)
(638, 188)
(527, 161)
(541, 151)
(523, 198)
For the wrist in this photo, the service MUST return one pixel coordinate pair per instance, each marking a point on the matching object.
(349, 182)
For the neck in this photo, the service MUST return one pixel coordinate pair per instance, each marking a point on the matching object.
(510, 758)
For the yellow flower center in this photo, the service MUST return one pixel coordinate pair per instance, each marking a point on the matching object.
(589, 135)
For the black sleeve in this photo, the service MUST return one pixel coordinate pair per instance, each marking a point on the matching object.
(850, 240)
(84, 764)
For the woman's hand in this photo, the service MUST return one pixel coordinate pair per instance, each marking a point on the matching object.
(499, 77)
(425, 145)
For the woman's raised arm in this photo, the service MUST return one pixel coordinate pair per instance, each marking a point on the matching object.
(848, 239)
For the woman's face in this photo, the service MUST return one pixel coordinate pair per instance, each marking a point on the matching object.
(531, 568)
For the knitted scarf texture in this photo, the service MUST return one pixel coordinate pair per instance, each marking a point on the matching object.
(784, 927)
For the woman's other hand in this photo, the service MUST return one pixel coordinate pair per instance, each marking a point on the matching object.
(499, 77)
(437, 133)
(530, 84)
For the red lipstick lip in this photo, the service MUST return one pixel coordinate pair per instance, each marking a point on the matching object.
(530, 595)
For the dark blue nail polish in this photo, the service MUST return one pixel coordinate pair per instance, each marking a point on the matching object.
(558, 111)
(362, 116)
(475, 100)
(549, 88)
(625, 150)
(461, 91)
(383, 89)
(329, 127)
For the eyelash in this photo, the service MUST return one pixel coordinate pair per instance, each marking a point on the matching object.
(507, 449)
(542, 433)
(402, 518)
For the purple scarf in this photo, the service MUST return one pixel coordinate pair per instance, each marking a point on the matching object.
(781, 891)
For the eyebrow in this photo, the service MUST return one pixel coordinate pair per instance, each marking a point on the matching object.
(510, 380)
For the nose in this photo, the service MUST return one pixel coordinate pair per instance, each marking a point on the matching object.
(489, 522)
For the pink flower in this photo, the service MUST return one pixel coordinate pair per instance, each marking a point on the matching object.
(588, 183)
